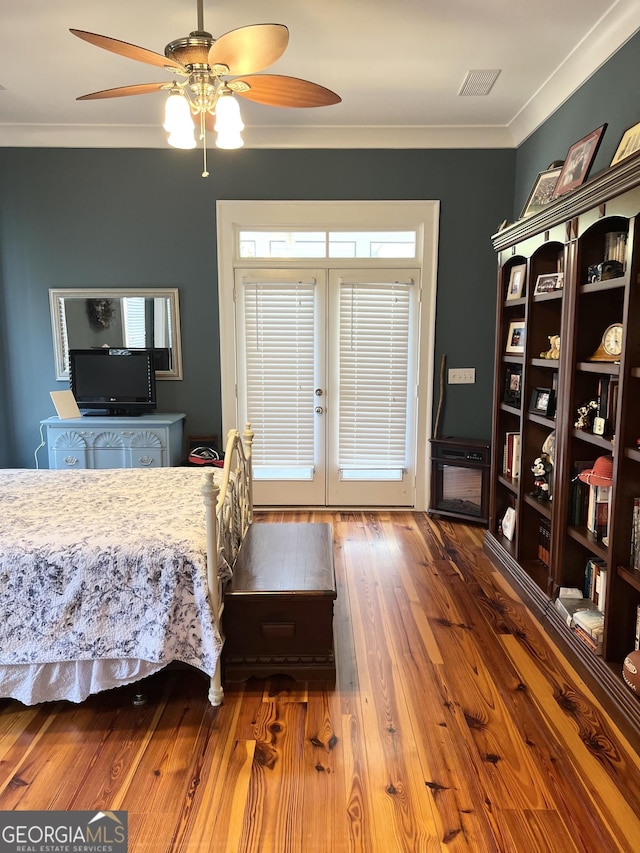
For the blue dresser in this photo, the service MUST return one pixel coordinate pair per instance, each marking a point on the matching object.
(148, 441)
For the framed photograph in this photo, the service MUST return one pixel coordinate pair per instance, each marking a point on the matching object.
(515, 337)
(548, 283)
(509, 524)
(542, 191)
(542, 402)
(512, 386)
(578, 161)
(629, 144)
(517, 279)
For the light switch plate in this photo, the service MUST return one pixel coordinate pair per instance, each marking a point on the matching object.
(462, 376)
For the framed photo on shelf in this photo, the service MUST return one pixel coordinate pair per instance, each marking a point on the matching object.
(578, 161)
(512, 386)
(517, 279)
(629, 144)
(548, 283)
(542, 402)
(509, 523)
(542, 191)
(515, 338)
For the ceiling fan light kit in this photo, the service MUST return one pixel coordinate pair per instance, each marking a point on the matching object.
(210, 68)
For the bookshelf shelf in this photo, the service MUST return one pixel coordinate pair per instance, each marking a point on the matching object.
(571, 235)
(597, 440)
(601, 367)
(510, 483)
(541, 507)
(588, 540)
(549, 363)
(630, 576)
(507, 408)
(538, 419)
(548, 297)
(601, 286)
(538, 572)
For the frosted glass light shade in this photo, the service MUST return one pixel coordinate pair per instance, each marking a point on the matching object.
(229, 123)
(182, 139)
(177, 114)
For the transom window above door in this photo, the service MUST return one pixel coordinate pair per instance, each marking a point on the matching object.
(266, 244)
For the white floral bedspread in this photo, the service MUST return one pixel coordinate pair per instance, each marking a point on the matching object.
(104, 565)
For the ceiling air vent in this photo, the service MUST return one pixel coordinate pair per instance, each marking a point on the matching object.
(479, 82)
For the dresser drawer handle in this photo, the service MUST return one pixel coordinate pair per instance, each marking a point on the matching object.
(277, 629)
(146, 461)
(70, 460)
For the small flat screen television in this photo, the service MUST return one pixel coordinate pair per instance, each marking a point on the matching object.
(113, 381)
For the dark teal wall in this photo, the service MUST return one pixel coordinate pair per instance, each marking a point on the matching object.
(145, 218)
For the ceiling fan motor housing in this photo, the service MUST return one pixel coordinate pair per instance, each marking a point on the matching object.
(193, 50)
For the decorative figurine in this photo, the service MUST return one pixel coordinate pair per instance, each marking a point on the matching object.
(542, 469)
(586, 414)
(554, 350)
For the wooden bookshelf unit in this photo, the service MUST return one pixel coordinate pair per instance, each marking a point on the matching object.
(571, 242)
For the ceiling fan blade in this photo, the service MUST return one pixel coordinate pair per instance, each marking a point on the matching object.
(249, 49)
(123, 91)
(131, 51)
(276, 90)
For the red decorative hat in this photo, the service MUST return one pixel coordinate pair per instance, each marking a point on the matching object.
(601, 474)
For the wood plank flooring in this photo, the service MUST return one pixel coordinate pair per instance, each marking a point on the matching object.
(454, 725)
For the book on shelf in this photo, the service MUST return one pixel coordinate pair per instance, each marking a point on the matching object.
(511, 461)
(593, 568)
(600, 589)
(568, 606)
(593, 643)
(544, 541)
(597, 520)
(637, 640)
(591, 622)
(635, 535)
(579, 495)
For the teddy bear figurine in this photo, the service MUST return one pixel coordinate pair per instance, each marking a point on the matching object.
(554, 348)
(542, 469)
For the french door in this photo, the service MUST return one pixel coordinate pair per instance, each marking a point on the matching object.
(326, 372)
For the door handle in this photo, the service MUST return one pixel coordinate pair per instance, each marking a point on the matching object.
(319, 410)
(318, 392)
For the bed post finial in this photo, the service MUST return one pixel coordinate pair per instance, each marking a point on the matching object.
(248, 437)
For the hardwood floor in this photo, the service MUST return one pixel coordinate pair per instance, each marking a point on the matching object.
(453, 726)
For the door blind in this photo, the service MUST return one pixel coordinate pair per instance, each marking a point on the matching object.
(278, 330)
(133, 318)
(374, 373)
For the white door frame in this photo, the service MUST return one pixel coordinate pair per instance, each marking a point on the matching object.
(422, 216)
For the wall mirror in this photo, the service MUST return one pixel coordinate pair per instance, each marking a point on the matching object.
(149, 318)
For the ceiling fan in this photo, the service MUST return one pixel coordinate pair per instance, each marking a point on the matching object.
(211, 72)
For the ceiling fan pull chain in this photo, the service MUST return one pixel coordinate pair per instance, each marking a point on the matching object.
(203, 136)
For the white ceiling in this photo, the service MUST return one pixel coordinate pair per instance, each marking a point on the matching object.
(398, 67)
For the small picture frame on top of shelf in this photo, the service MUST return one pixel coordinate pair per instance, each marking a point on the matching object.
(517, 278)
(542, 402)
(515, 337)
(548, 283)
(513, 386)
(629, 144)
(542, 191)
(578, 161)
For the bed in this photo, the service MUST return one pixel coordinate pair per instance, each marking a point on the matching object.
(108, 576)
